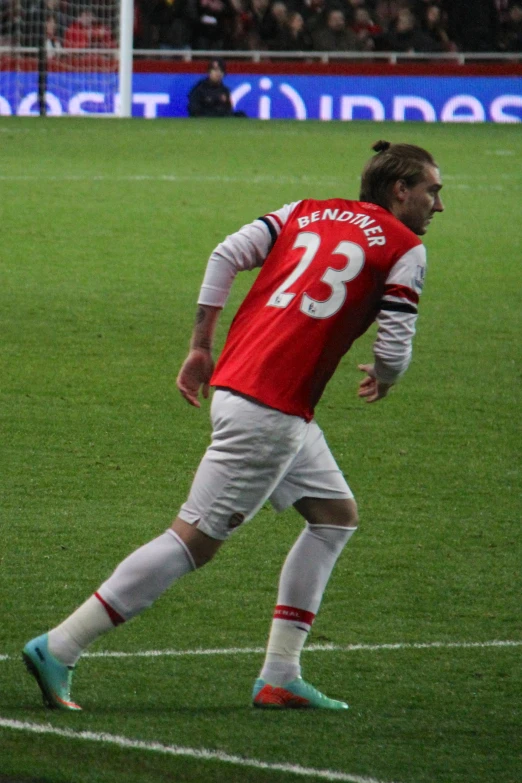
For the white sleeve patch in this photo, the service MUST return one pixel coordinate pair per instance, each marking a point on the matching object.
(409, 271)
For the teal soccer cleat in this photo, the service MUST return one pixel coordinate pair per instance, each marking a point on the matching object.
(296, 694)
(53, 677)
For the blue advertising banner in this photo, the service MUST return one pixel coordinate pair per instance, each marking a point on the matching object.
(396, 98)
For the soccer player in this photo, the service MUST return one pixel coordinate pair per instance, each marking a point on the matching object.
(328, 269)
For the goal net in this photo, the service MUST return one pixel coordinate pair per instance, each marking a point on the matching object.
(62, 57)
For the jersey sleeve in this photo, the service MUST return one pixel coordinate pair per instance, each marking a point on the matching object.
(398, 314)
(244, 250)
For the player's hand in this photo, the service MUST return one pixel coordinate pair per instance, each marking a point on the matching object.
(195, 374)
(370, 388)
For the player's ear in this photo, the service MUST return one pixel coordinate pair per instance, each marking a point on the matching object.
(400, 190)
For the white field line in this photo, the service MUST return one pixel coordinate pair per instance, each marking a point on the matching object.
(457, 182)
(200, 754)
(218, 178)
(310, 648)
(303, 181)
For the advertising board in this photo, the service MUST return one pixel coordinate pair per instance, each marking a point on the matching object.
(495, 99)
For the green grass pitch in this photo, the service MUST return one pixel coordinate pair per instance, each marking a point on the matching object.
(106, 228)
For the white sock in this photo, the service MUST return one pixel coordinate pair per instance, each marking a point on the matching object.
(135, 584)
(302, 583)
(143, 576)
(68, 640)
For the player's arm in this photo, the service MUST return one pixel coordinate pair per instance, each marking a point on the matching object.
(396, 321)
(196, 371)
(246, 249)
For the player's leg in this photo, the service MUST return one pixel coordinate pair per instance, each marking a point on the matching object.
(238, 472)
(135, 584)
(331, 521)
(305, 574)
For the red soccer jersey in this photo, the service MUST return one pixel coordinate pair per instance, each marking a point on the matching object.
(318, 290)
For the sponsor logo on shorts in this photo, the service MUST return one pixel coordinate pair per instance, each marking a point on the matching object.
(236, 520)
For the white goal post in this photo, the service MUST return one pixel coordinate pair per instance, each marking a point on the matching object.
(66, 57)
(126, 46)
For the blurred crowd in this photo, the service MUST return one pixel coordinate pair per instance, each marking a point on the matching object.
(64, 24)
(331, 25)
(272, 25)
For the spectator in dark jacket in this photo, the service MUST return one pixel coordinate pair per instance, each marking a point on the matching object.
(335, 35)
(405, 35)
(367, 31)
(298, 39)
(278, 11)
(214, 23)
(313, 13)
(433, 25)
(210, 97)
(261, 25)
(165, 24)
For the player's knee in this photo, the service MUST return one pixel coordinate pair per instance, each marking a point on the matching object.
(200, 547)
(348, 516)
(352, 516)
(323, 511)
(344, 514)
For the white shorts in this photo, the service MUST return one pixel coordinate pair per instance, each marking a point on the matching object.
(258, 454)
